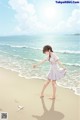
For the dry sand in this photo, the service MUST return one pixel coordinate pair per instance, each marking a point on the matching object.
(16, 91)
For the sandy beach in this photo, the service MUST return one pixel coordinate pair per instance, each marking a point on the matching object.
(16, 92)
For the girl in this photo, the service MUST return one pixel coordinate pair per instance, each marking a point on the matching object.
(55, 72)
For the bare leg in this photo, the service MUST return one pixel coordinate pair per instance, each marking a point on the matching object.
(44, 87)
(54, 89)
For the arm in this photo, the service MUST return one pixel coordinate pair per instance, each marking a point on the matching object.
(43, 61)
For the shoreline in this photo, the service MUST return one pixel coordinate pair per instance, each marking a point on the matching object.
(17, 91)
(41, 79)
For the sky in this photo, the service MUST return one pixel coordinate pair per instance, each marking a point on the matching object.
(29, 17)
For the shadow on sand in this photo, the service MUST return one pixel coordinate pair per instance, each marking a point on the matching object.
(50, 114)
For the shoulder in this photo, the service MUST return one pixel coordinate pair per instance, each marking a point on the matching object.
(55, 56)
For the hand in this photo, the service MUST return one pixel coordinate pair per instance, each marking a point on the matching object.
(34, 66)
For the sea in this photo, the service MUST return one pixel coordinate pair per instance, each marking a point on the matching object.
(20, 53)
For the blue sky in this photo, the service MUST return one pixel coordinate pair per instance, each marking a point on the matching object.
(19, 17)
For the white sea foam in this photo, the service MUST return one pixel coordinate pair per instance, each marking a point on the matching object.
(68, 52)
(66, 83)
(57, 51)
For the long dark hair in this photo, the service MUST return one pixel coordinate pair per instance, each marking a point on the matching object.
(47, 48)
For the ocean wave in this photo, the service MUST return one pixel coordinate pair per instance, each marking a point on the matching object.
(39, 60)
(68, 52)
(19, 46)
(3, 51)
(30, 59)
(13, 46)
(75, 89)
(67, 64)
(57, 51)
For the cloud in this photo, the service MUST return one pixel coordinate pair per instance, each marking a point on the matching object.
(29, 23)
(25, 14)
(71, 25)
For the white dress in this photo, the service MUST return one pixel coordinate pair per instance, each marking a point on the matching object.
(55, 72)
